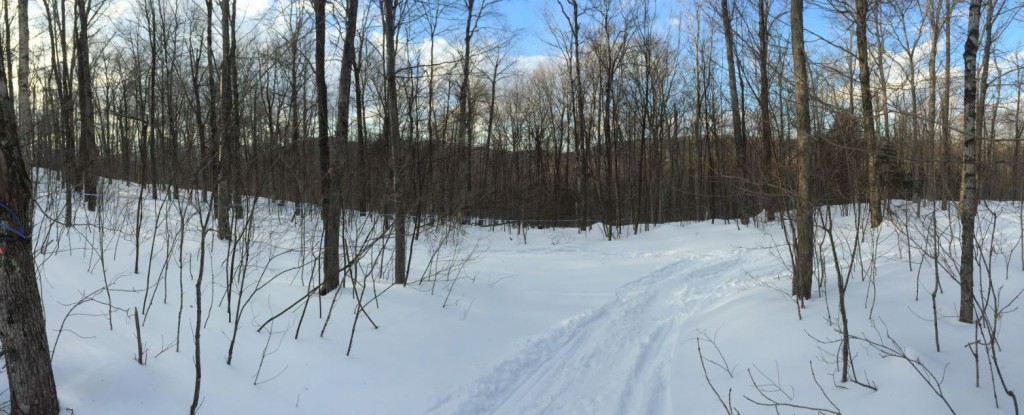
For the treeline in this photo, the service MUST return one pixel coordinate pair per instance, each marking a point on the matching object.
(640, 115)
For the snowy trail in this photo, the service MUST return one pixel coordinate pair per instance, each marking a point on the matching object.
(618, 357)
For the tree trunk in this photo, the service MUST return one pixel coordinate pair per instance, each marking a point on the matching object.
(969, 180)
(578, 117)
(390, 28)
(947, 88)
(465, 105)
(22, 323)
(211, 160)
(803, 266)
(24, 104)
(87, 139)
(331, 204)
(228, 142)
(739, 133)
(329, 212)
(763, 99)
(935, 19)
(868, 115)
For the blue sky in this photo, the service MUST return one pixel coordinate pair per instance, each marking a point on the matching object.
(528, 16)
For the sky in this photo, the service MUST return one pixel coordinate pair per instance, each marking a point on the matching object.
(532, 46)
(528, 17)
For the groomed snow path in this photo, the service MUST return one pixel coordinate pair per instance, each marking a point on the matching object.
(617, 358)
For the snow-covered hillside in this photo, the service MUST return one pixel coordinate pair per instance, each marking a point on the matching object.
(552, 321)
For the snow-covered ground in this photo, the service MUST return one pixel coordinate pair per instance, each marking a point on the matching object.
(555, 322)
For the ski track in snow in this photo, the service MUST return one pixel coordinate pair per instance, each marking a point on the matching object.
(614, 359)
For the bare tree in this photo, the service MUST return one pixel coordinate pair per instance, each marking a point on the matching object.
(60, 64)
(210, 159)
(764, 90)
(22, 324)
(226, 192)
(803, 266)
(739, 132)
(466, 113)
(933, 11)
(329, 211)
(390, 26)
(87, 139)
(969, 173)
(947, 88)
(24, 104)
(572, 11)
(868, 113)
(331, 195)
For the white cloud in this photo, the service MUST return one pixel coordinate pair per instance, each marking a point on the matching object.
(248, 9)
(528, 64)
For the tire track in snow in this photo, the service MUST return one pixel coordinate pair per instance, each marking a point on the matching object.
(614, 359)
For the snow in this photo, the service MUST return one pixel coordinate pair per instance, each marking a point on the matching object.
(556, 322)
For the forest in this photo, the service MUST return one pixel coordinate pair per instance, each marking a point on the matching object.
(345, 151)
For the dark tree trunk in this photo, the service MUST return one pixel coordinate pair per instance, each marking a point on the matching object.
(763, 99)
(331, 194)
(465, 103)
(868, 114)
(22, 323)
(229, 140)
(803, 266)
(87, 139)
(329, 211)
(579, 129)
(390, 28)
(947, 88)
(739, 133)
(24, 104)
(212, 111)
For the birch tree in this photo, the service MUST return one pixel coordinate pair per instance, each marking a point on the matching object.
(969, 173)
